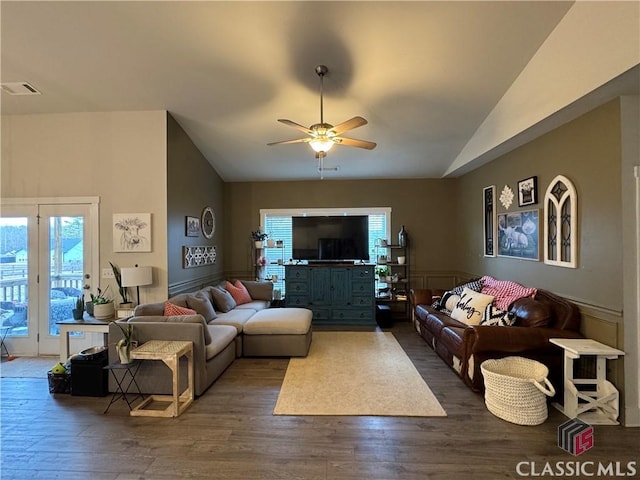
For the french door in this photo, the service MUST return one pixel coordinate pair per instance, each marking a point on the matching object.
(49, 254)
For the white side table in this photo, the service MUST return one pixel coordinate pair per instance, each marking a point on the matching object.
(87, 324)
(599, 406)
(169, 352)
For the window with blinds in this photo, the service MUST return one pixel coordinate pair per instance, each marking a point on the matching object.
(277, 224)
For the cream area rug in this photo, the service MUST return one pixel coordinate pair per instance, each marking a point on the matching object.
(355, 373)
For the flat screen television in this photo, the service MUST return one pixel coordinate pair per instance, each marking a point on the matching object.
(331, 238)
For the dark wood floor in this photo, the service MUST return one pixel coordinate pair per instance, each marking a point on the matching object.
(230, 433)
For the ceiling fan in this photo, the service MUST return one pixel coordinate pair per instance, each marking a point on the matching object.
(322, 136)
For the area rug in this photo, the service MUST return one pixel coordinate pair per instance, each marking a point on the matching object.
(27, 367)
(355, 373)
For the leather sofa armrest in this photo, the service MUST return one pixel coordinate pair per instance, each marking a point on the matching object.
(422, 296)
(515, 339)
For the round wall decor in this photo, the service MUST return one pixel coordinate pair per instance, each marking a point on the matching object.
(208, 222)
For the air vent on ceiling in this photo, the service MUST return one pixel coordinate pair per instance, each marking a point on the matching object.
(19, 88)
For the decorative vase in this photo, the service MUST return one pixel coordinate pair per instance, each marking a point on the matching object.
(77, 313)
(402, 237)
(258, 244)
(279, 243)
(271, 243)
(102, 311)
(89, 308)
(124, 351)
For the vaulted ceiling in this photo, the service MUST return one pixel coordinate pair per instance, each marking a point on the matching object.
(425, 75)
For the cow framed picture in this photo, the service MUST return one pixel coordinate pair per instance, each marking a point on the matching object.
(519, 234)
(131, 232)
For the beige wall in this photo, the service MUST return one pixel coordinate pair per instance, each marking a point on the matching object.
(192, 185)
(424, 206)
(118, 156)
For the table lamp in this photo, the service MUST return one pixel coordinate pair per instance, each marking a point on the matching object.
(136, 277)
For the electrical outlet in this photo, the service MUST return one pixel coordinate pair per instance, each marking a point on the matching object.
(107, 273)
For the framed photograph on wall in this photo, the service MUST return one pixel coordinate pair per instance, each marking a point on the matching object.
(528, 191)
(489, 220)
(192, 226)
(519, 234)
(131, 232)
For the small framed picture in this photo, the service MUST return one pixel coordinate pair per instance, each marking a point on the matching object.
(193, 227)
(528, 191)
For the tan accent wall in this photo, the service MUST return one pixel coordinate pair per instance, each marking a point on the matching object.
(426, 207)
(118, 156)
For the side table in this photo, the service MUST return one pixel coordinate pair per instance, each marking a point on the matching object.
(129, 372)
(596, 407)
(168, 352)
(87, 324)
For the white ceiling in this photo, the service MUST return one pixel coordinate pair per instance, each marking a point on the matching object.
(424, 74)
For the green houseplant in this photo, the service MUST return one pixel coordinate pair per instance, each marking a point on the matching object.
(382, 271)
(102, 305)
(124, 345)
(124, 293)
(79, 310)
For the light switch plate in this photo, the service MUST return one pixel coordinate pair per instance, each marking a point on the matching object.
(107, 273)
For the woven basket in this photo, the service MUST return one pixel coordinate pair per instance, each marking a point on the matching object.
(516, 389)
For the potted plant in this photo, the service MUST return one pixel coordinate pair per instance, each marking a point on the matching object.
(79, 310)
(382, 271)
(258, 237)
(126, 343)
(102, 306)
(122, 290)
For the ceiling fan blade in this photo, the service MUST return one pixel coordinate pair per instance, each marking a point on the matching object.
(295, 125)
(350, 124)
(284, 142)
(352, 142)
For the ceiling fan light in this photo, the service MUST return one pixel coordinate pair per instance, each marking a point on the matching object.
(321, 144)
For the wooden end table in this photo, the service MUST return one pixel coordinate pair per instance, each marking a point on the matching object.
(168, 352)
(596, 407)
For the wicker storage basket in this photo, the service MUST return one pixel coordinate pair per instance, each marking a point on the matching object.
(516, 389)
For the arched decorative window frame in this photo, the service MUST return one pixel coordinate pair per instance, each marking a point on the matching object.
(569, 196)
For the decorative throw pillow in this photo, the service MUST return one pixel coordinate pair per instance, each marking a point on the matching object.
(239, 292)
(505, 292)
(497, 317)
(470, 307)
(171, 309)
(475, 285)
(452, 301)
(201, 304)
(222, 299)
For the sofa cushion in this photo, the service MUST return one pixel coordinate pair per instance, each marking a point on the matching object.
(221, 337)
(239, 292)
(256, 305)
(259, 290)
(505, 292)
(174, 319)
(172, 309)
(201, 303)
(497, 317)
(222, 299)
(236, 318)
(149, 309)
(180, 300)
(279, 321)
(471, 306)
(531, 313)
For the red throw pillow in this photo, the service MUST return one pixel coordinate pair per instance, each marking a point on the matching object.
(239, 292)
(171, 309)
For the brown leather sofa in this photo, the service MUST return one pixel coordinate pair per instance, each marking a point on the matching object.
(465, 347)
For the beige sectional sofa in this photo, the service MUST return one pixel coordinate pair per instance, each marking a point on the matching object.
(220, 331)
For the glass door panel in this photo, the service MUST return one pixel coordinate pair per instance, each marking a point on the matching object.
(64, 268)
(18, 275)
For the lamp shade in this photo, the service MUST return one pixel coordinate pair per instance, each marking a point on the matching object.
(136, 276)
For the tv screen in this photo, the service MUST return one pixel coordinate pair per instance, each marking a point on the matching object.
(331, 238)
